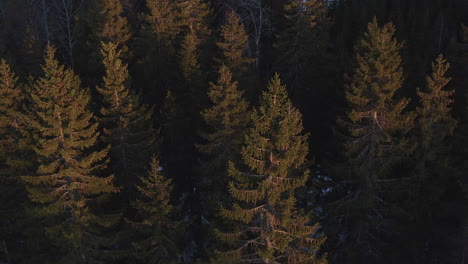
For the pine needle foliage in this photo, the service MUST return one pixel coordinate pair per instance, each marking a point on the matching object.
(68, 180)
(270, 227)
(157, 229)
(126, 122)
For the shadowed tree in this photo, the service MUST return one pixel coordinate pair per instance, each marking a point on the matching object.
(156, 227)
(126, 122)
(435, 179)
(226, 124)
(101, 21)
(302, 42)
(15, 156)
(194, 16)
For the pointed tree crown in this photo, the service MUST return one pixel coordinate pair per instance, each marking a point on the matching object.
(376, 114)
(269, 227)
(163, 19)
(234, 44)
(435, 119)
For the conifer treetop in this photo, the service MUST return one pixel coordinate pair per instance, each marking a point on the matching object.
(376, 114)
(116, 80)
(156, 227)
(162, 19)
(195, 14)
(109, 25)
(9, 94)
(69, 176)
(436, 122)
(234, 44)
(379, 73)
(270, 228)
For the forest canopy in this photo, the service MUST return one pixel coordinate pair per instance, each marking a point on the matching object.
(233, 131)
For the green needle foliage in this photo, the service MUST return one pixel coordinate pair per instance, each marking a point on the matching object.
(436, 123)
(435, 179)
(68, 182)
(269, 227)
(194, 16)
(234, 45)
(227, 121)
(14, 161)
(163, 21)
(156, 227)
(157, 61)
(109, 24)
(376, 129)
(376, 115)
(126, 122)
(302, 42)
(102, 21)
(10, 110)
(190, 61)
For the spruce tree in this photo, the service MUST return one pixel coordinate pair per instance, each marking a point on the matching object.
(303, 40)
(305, 59)
(109, 25)
(156, 227)
(22, 238)
(234, 45)
(68, 182)
(435, 121)
(190, 65)
(126, 122)
(12, 193)
(10, 108)
(163, 21)
(100, 21)
(175, 143)
(194, 18)
(435, 178)
(156, 52)
(226, 122)
(269, 227)
(376, 128)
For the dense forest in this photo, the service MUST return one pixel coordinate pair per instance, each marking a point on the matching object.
(234, 131)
